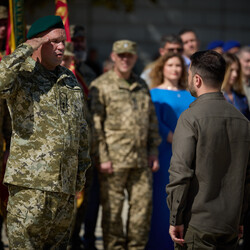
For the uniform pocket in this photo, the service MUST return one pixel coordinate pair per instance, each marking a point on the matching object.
(189, 240)
(25, 203)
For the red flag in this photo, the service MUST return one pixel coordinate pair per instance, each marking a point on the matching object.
(10, 39)
(16, 25)
(62, 11)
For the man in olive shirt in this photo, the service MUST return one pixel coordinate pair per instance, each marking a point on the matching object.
(209, 171)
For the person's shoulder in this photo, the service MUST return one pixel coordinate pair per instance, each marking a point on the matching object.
(240, 95)
(71, 79)
(140, 80)
(211, 108)
(103, 79)
(66, 71)
(155, 92)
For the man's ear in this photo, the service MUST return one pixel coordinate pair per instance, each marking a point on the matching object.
(161, 51)
(197, 80)
(112, 56)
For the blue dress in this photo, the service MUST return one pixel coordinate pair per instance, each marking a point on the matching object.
(240, 102)
(169, 105)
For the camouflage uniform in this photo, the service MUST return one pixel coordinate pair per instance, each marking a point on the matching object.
(49, 147)
(126, 130)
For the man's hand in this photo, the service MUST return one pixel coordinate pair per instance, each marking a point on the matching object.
(36, 42)
(241, 231)
(170, 137)
(176, 233)
(153, 163)
(106, 167)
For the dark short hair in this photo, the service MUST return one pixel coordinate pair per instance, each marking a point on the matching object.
(186, 30)
(244, 49)
(210, 65)
(170, 39)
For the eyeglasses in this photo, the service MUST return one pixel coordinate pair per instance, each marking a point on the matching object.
(125, 55)
(175, 50)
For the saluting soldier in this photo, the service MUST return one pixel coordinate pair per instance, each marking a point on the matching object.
(49, 148)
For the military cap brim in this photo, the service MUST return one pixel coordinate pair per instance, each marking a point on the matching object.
(43, 24)
(124, 46)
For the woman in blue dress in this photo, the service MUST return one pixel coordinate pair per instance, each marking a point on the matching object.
(232, 85)
(170, 98)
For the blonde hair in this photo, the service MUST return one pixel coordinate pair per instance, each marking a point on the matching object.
(157, 76)
(238, 85)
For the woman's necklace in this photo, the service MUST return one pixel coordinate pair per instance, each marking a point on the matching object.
(172, 88)
(169, 87)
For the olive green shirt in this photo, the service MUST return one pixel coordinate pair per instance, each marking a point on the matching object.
(209, 170)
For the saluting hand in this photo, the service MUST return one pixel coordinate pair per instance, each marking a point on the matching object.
(36, 42)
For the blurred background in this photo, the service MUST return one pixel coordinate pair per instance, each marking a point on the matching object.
(145, 21)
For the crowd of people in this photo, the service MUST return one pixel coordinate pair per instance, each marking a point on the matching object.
(174, 141)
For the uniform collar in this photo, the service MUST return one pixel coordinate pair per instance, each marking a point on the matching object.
(208, 96)
(130, 84)
(37, 69)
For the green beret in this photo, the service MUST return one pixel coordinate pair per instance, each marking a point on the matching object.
(43, 24)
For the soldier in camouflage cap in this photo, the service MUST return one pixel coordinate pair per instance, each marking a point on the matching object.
(126, 130)
(49, 147)
(124, 46)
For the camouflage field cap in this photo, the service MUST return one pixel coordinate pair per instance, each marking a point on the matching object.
(124, 46)
(69, 49)
(3, 12)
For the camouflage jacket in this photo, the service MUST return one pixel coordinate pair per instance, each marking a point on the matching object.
(125, 123)
(49, 147)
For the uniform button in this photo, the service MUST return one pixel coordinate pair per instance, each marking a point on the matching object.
(174, 216)
(178, 201)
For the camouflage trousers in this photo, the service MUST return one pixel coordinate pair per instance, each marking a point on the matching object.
(199, 240)
(79, 212)
(38, 219)
(138, 184)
